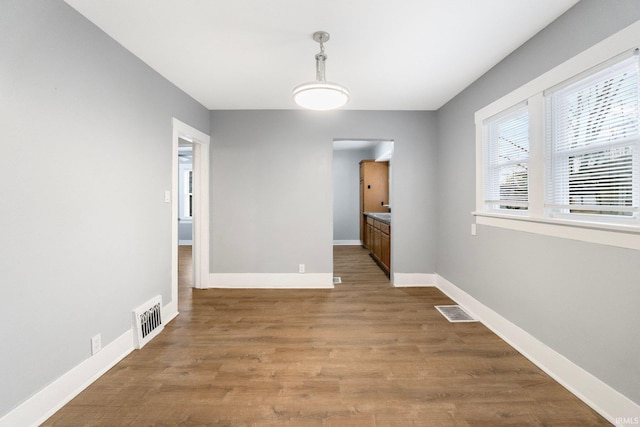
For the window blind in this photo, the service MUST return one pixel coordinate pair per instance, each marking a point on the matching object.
(507, 160)
(592, 142)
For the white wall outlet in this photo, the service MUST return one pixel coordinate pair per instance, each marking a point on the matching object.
(96, 344)
(473, 230)
(301, 268)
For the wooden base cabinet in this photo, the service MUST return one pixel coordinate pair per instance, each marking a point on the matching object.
(385, 250)
(378, 241)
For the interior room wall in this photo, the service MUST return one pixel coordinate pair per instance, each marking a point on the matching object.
(577, 298)
(272, 183)
(86, 235)
(346, 193)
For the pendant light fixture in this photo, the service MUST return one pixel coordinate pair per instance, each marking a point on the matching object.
(320, 95)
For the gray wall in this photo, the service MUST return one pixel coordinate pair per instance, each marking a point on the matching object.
(272, 183)
(86, 157)
(346, 192)
(581, 299)
(185, 231)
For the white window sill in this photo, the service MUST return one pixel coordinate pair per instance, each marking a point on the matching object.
(186, 220)
(624, 236)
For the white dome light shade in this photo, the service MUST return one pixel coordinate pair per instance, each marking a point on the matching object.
(320, 96)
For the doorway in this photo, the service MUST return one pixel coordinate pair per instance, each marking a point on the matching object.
(347, 154)
(199, 200)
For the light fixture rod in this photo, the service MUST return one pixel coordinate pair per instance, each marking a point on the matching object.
(321, 37)
(320, 74)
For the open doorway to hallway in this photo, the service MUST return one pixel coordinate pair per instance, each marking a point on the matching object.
(185, 213)
(358, 219)
(197, 202)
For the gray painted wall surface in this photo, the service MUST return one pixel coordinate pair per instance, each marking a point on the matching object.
(581, 299)
(185, 230)
(346, 192)
(272, 180)
(86, 237)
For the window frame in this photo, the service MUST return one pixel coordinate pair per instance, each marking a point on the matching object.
(535, 220)
(490, 165)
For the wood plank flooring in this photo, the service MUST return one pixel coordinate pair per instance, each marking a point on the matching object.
(362, 354)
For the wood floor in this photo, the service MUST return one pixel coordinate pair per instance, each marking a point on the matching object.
(362, 354)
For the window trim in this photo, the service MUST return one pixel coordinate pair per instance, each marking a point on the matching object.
(627, 236)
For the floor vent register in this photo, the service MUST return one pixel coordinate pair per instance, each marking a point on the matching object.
(455, 313)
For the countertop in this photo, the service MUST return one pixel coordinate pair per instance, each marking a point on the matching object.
(384, 217)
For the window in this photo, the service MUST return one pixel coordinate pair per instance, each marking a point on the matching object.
(185, 192)
(507, 160)
(187, 204)
(592, 145)
(560, 155)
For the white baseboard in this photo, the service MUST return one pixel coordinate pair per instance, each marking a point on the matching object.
(404, 280)
(272, 280)
(169, 312)
(50, 399)
(54, 396)
(347, 243)
(605, 400)
(185, 242)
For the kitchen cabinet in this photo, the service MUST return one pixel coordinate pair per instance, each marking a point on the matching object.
(378, 241)
(385, 246)
(374, 192)
(368, 234)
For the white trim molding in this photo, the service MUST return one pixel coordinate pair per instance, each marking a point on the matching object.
(50, 399)
(347, 243)
(169, 312)
(600, 229)
(271, 280)
(605, 400)
(405, 280)
(603, 234)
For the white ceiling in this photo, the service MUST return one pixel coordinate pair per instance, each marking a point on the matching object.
(392, 55)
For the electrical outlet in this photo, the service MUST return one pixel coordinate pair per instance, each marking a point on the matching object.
(96, 344)
(301, 268)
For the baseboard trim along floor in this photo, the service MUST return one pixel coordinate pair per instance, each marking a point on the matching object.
(598, 395)
(50, 399)
(601, 397)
